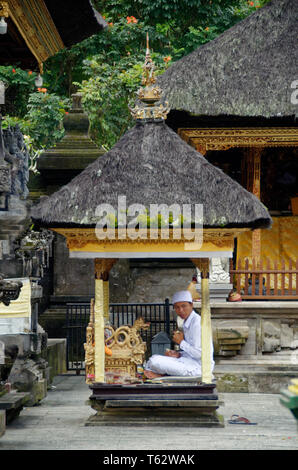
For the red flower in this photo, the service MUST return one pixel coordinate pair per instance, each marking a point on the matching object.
(13, 70)
(111, 24)
(131, 19)
(30, 72)
(252, 4)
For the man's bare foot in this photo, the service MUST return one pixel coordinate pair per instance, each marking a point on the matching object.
(151, 375)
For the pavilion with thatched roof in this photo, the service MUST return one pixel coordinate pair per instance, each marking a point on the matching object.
(149, 165)
(234, 99)
(244, 73)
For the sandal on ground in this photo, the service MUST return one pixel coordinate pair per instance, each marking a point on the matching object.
(236, 419)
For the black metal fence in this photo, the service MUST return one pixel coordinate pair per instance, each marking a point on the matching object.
(77, 319)
(159, 315)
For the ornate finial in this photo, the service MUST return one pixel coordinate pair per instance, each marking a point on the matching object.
(150, 94)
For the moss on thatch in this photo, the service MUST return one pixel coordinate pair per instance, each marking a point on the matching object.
(246, 71)
(151, 164)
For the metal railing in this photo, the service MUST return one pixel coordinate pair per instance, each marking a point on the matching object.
(159, 315)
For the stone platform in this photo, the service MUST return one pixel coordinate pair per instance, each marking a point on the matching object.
(157, 404)
(12, 403)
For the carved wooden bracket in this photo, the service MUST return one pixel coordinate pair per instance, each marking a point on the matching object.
(203, 265)
(102, 267)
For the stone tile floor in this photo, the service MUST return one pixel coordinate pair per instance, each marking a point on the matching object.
(58, 424)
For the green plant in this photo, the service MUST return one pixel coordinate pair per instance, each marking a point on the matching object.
(45, 115)
(18, 85)
(114, 77)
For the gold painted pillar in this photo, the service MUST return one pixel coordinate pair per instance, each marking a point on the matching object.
(253, 184)
(101, 309)
(206, 329)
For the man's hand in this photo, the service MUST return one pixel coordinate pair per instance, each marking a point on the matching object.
(178, 336)
(171, 353)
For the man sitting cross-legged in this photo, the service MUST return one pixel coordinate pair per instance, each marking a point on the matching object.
(186, 362)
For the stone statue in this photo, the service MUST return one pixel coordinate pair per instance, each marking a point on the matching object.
(219, 270)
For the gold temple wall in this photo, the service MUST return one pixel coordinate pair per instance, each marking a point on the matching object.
(277, 244)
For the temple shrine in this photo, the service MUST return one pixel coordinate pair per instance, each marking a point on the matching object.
(150, 165)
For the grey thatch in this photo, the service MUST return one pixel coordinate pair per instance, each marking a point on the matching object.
(246, 71)
(151, 164)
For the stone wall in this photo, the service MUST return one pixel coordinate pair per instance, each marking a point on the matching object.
(75, 277)
(157, 284)
(24, 253)
(264, 330)
(14, 208)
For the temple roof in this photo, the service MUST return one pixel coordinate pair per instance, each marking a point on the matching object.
(246, 71)
(151, 164)
(38, 29)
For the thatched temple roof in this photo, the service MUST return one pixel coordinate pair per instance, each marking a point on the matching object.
(151, 164)
(246, 71)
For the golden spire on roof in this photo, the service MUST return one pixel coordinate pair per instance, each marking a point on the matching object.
(150, 94)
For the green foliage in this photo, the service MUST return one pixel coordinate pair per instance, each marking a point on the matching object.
(18, 85)
(107, 66)
(45, 115)
(114, 77)
(42, 125)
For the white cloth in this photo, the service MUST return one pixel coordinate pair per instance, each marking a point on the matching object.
(189, 363)
(182, 296)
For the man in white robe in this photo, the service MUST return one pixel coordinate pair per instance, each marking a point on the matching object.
(187, 361)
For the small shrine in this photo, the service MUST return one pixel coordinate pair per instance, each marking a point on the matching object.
(108, 212)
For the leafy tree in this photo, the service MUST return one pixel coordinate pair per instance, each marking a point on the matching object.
(18, 86)
(107, 66)
(45, 115)
(112, 79)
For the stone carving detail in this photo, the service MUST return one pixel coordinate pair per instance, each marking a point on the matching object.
(9, 290)
(219, 270)
(17, 156)
(35, 250)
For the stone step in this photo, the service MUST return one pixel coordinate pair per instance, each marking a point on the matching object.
(251, 379)
(12, 403)
(54, 311)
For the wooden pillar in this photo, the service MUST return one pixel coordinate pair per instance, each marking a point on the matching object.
(101, 308)
(253, 184)
(206, 329)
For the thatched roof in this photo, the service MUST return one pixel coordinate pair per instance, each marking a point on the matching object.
(151, 164)
(37, 29)
(246, 71)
